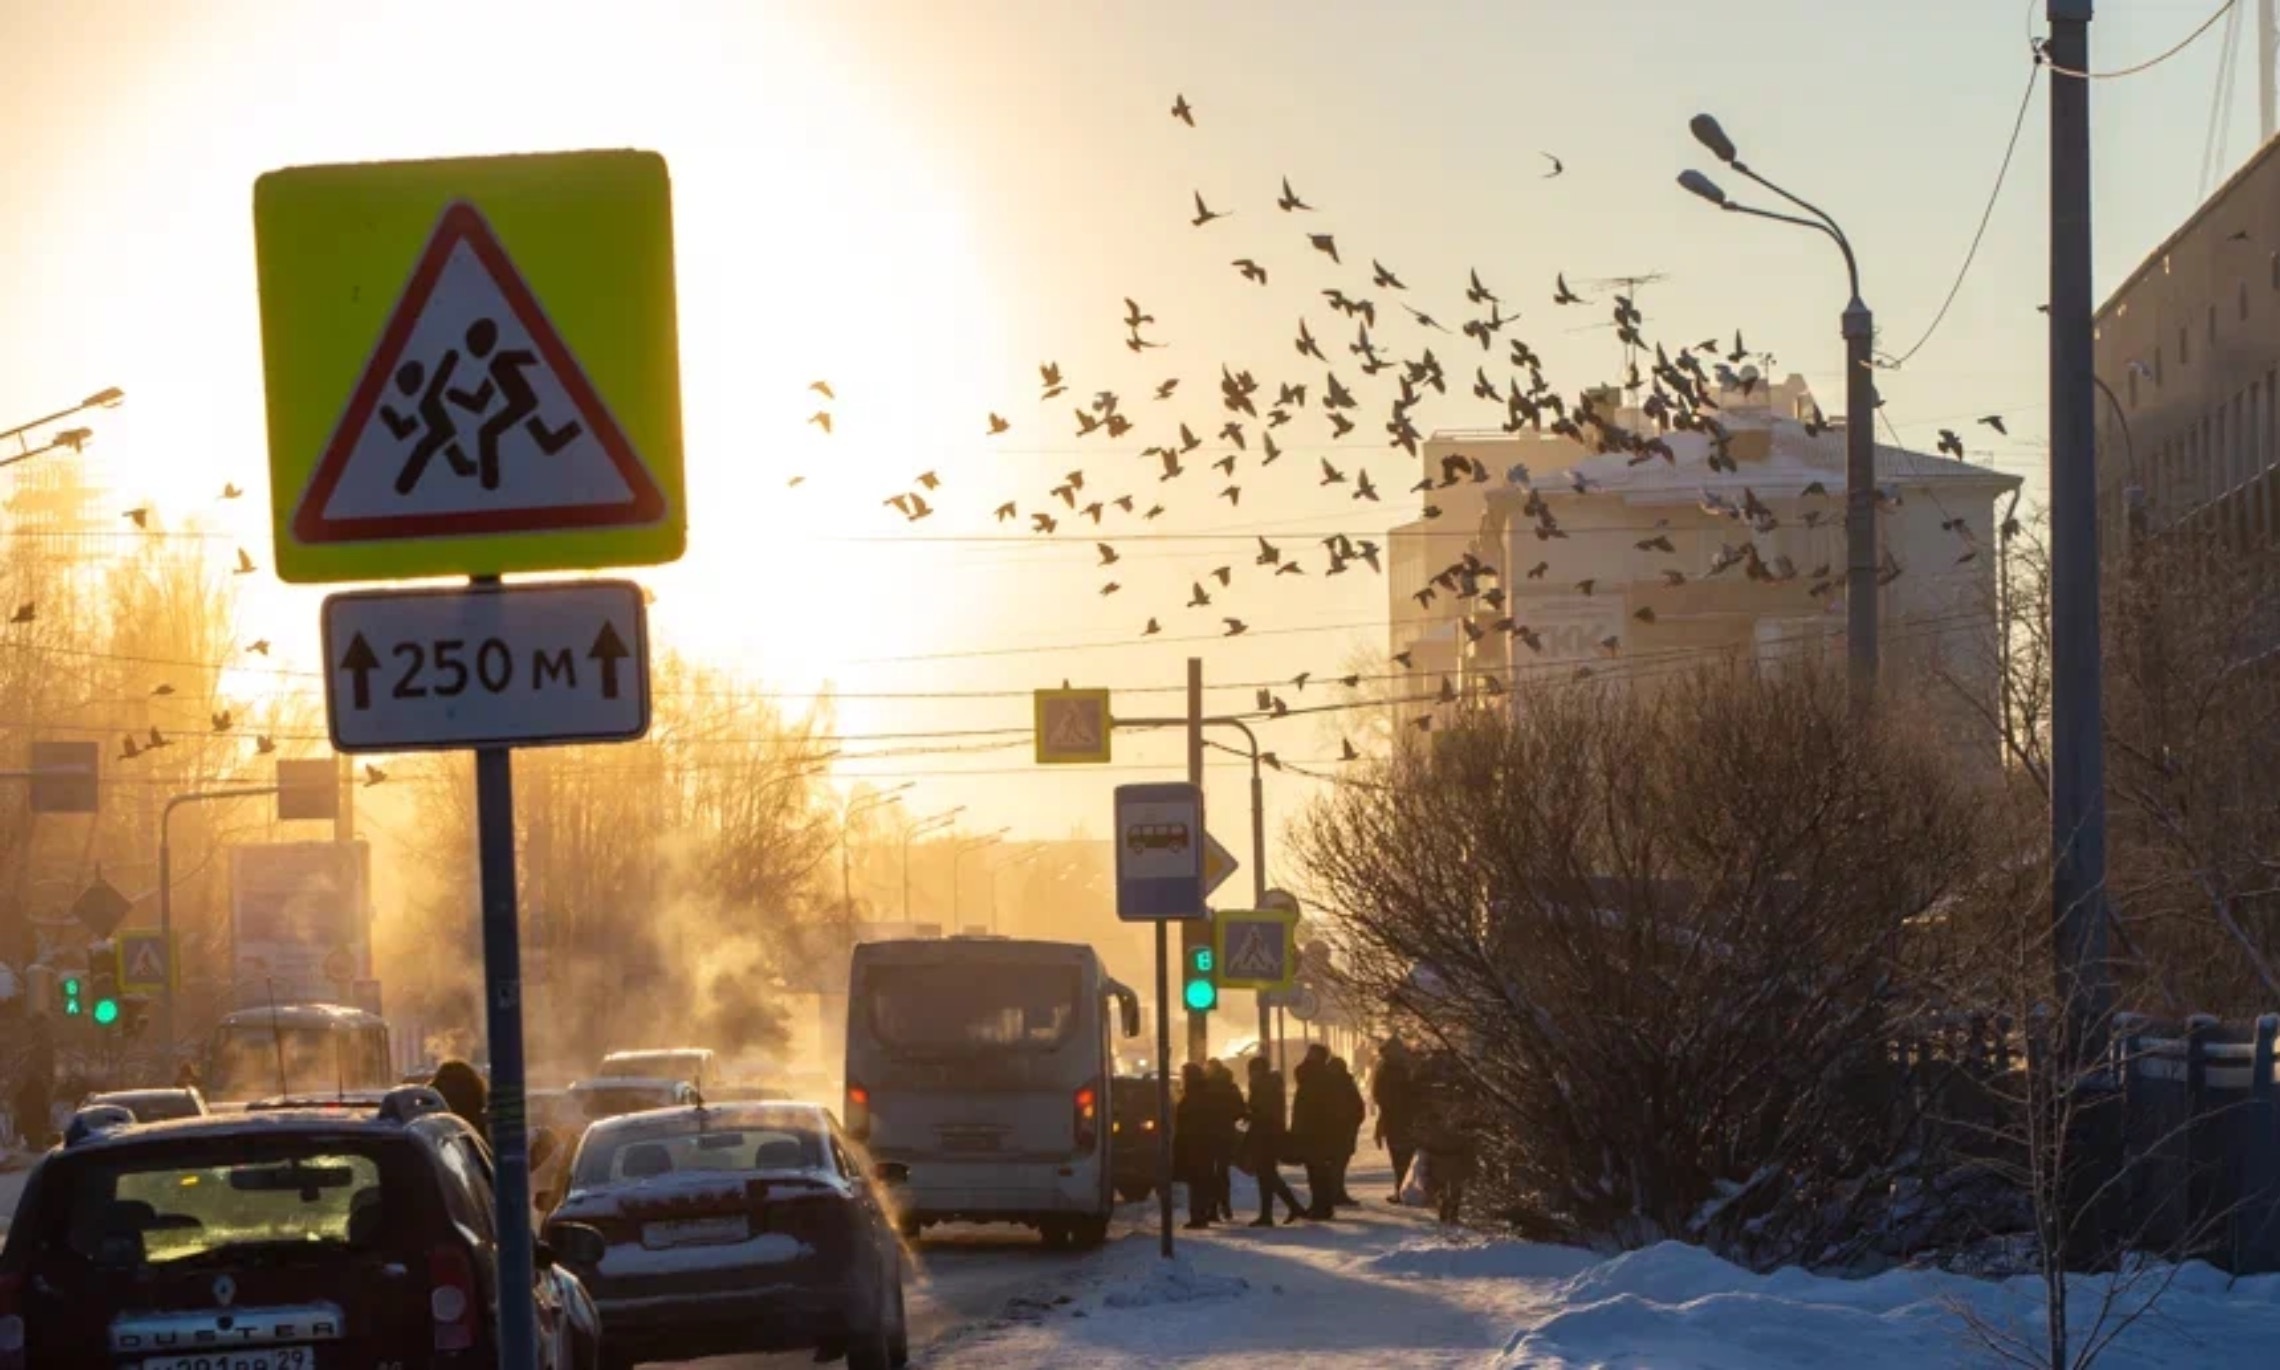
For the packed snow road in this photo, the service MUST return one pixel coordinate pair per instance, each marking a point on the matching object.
(965, 1278)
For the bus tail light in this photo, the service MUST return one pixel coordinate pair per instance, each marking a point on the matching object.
(1088, 1116)
(858, 1112)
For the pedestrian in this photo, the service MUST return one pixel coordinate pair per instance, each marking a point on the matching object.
(1393, 1090)
(1263, 1144)
(1311, 1124)
(1346, 1113)
(1445, 1136)
(465, 1094)
(1191, 1156)
(35, 1092)
(1226, 1120)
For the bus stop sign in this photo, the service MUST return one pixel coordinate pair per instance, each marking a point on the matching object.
(1159, 852)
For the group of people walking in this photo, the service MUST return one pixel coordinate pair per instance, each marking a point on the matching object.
(1217, 1130)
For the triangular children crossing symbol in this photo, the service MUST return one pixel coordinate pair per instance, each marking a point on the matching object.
(472, 416)
(146, 963)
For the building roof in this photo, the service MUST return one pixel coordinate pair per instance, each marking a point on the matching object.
(2153, 259)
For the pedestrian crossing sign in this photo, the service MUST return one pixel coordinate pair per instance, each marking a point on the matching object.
(471, 366)
(1072, 727)
(145, 966)
(1258, 948)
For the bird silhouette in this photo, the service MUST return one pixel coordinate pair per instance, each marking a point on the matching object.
(161, 690)
(1108, 555)
(222, 721)
(140, 515)
(821, 419)
(1564, 295)
(1951, 443)
(373, 775)
(1382, 278)
(1204, 214)
(1331, 475)
(822, 388)
(1236, 627)
(231, 492)
(1183, 111)
(1225, 575)
(1111, 588)
(1585, 585)
(1198, 597)
(25, 613)
(1536, 572)
(1362, 487)
(1324, 244)
(1152, 629)
(1658, 543)
(1007, 511)
(1611, 644)
(1995, 421)
(157, 740)
(264, 745)
(245, 566)
(1557, 165)
(1289, 200)
(1164, 391)
(259, 646)
(928, 480)
(1645, 613)
(1250, 270)
(1050, 374)
(128, 751)
(998, 424)
(1346, 750)
(1042, 523)
(1476, 293)
(1307, 347)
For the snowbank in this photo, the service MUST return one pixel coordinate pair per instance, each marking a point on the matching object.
(1676, 1307)
(1176, 1281)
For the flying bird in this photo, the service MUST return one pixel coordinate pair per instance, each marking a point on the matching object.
(1236, 627)
(1324, 244)
(1995, 421)
(1108, 556)
(1050, 374)
(245, 566)
(231, 492)
(1133, 318)
(1250, 270)
(1331, 475)
(1152, 629)
(259, 646)
(1007, 511)
(1346, 750)
(1564, 295)
(1289, 200)
(140, 515)
(822, 388)
(25, 613)
(1477, 293)
(1183, 111)
(1198, 597)
(264, 745)
(1204, 213)
(373, 775)
(1307, 347)
(222, 721)
(1111, 588)
(1382, 278)
(1225, 575)
(161, 689)
(821, 419)
(1951, 443)
(1557, 165)
(998, 424)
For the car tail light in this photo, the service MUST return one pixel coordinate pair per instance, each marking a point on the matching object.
(452, 1298)
(1088, 1116)
(11, 1322)
(858, 1112)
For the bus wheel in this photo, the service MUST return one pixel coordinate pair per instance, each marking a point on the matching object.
(1088, 1233)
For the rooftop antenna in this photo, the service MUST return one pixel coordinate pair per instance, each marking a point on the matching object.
(1629, 287)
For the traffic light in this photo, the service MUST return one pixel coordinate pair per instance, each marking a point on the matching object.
(74, 991)
(103, 999)
(1199, 962)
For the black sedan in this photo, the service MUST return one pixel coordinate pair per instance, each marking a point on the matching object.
(742, 1227)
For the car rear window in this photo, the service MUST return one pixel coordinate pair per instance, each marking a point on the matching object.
(639, 1154)
(153, 1206)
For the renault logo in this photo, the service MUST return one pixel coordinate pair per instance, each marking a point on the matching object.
(225, 1291)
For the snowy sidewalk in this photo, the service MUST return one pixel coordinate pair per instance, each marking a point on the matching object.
(1385, 1288)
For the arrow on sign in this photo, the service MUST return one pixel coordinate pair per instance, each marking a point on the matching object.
(609, 649)
(360, 663)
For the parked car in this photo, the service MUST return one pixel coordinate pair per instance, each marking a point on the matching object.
(292, 1238)
(738, 1228)
(152, 1105)
(693, 1064)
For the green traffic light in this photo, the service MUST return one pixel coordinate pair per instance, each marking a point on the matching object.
(71, 991)
(1202, 996)
(106, 1012)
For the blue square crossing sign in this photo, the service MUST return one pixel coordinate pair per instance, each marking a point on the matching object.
(1159, 852)
(1257, 948)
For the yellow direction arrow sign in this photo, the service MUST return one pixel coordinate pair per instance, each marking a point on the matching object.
(1218, 864)
(1072, 727)
(471, 366)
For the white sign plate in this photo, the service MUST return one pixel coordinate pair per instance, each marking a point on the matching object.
(1159, 852)
(486, 666)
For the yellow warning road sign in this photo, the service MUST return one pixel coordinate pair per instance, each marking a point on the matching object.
(1257, 948)
(471, 366)
(1072, 727)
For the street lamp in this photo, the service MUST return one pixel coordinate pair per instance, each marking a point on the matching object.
(1859, 329)
(960, 855)
(935, 824)
(880, 799)
(1001, 868)
(109, 397)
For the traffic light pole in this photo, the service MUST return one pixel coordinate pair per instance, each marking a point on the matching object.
(166, 895)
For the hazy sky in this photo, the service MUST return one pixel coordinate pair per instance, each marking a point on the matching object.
(921, 202)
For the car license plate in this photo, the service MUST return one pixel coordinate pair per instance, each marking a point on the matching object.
(281, 1358)
(695, 1231)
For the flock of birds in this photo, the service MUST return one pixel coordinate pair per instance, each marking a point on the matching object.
(1393, 351)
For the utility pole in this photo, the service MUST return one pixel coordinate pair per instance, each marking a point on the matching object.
(2077, 759)
(1861, 588)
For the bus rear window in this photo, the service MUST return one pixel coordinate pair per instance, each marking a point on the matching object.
(955, 1008)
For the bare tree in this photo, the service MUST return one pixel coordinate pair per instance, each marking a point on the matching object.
(1665, 934)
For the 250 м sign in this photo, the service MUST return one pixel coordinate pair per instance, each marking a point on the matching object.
(487, 666)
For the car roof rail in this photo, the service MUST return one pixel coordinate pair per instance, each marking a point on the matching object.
(95, 1121)
(406, 1102)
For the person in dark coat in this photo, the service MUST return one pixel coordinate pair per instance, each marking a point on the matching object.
(1445, 1134)
(1393, 1088)
(1346, 1114)
(1191, 1146)
(1226, 1120)
(1312, 1125)
(1263, 1144)
(465, 1094)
